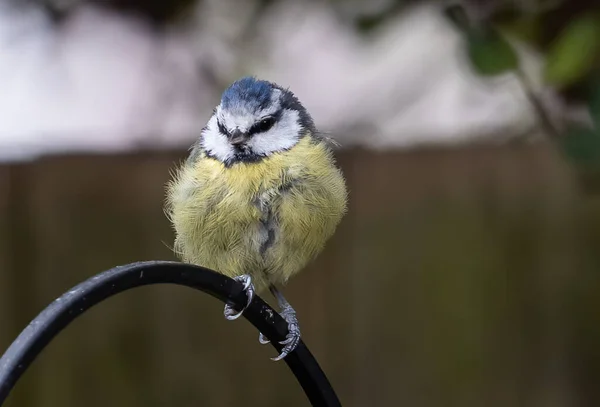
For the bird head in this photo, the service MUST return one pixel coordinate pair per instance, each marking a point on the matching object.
(254, 120)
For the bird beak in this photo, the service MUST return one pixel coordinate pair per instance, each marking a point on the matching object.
(238, 137)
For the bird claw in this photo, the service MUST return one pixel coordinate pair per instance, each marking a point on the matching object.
(288, 340)
(293, 337)
(229, 312)
(263, 339)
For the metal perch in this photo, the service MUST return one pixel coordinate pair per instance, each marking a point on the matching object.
(80, 298)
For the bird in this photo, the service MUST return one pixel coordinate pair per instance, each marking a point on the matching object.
(259, 194)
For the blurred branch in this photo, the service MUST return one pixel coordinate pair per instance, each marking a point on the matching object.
(543, 117)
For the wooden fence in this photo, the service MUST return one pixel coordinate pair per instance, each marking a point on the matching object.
(459, 278)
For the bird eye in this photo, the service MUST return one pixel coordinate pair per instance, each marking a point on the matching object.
(263, 125)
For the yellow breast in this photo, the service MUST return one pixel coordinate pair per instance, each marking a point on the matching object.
(266, 219)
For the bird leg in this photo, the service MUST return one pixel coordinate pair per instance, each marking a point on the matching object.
(245, 279)
(289, 314)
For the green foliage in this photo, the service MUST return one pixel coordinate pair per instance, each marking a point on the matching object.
(594, 105)
(456, 14)
(369, 22)
(582, 146)
(526, 28)
(490, 53)
(566, 34)
(573, 53)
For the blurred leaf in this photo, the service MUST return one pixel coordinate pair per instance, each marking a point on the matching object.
(157, 11)
(490, 53)
(366, 23)
(457, 16)
(594, 104)
(582, 145)
(573, 53)
(526, 28)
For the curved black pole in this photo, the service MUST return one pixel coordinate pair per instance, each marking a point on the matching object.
(80, 298)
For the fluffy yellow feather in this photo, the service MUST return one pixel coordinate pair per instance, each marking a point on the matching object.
(267, 219)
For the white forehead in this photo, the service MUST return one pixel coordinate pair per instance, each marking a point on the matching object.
(241, 117)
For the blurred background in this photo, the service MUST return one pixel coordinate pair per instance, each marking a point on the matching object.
(466, 272)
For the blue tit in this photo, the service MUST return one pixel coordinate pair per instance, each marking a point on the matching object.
(259, 194)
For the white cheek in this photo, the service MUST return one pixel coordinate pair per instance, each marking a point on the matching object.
(216, 143)
(284, 135)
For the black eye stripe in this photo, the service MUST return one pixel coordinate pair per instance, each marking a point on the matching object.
(223, 129)
(262, 126)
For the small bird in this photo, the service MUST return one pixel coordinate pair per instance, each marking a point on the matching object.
(259, 194)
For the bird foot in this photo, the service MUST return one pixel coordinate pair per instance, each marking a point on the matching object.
(229, 312)
(293, 337)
